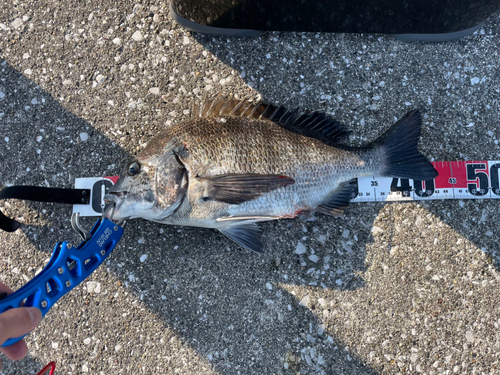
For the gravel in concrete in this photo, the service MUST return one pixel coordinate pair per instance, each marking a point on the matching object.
(390, 288)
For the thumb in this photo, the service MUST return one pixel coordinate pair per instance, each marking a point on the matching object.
(17, 322)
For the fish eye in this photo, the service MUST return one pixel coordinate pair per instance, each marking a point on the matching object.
(133, 169)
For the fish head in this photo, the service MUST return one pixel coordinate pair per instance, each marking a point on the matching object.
(151, 187)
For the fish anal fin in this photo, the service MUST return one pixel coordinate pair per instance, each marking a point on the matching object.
(239, 188)
(245, 235)
(339, 200)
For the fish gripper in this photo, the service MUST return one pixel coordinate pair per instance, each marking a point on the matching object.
(67, 267)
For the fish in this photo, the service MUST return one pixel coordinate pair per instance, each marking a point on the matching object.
(236, 163)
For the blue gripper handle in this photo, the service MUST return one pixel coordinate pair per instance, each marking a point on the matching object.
(67, 268)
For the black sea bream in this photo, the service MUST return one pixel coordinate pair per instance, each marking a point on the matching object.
(236, 163)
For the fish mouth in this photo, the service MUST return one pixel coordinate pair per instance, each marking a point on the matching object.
(113, 202)
(114, 197)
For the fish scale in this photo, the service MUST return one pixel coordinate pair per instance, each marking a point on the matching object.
(227, 171)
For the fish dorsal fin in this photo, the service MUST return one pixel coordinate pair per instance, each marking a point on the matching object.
(315, 125)
(229, 107)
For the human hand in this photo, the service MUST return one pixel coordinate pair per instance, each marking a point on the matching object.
(14, 323)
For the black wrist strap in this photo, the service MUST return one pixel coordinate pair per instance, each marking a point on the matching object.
(40, 194)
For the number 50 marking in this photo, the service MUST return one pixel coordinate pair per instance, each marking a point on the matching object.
(479, 178)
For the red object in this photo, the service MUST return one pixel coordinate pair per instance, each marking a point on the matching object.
(50, 367)
(113, 179)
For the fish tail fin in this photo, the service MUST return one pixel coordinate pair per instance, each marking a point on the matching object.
(400, 153)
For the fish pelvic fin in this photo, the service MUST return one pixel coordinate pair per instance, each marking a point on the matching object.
(399, 149)
(245, 235)
(339, 199)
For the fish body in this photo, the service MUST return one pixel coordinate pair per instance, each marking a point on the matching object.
(235, 164)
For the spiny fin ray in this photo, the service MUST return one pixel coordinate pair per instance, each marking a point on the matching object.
(339, 200)
(315, 124)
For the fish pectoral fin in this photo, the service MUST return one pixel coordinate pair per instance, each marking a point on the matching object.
(238, 188)
(339, 200)
(246, 235)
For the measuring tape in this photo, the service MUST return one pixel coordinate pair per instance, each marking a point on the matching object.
(456, 180)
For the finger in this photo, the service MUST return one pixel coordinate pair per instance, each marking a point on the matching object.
(15, 351)
(17, 322)
(5, 288)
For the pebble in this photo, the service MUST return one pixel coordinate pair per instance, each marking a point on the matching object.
(469, 336)
(117, 41)
(84, 136)
(143, 258)
(304, 301)
(118, 348)
(85, 368)
(87, 341)
(93, 287)
(67, 82)
(377, 230)
(321, 329)
(269, 286)
(137, 36)
(55, 345)
(313, 258)
(301, 249)
(2, 95)
(16, 23)
(100, 78)
(28, 72)
(154, 90)
(474, 80)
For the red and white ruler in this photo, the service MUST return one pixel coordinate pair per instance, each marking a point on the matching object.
(456, 180)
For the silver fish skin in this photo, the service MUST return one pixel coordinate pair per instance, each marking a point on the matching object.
(235, 164)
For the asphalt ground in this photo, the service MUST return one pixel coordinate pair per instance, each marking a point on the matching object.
(392, 288)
